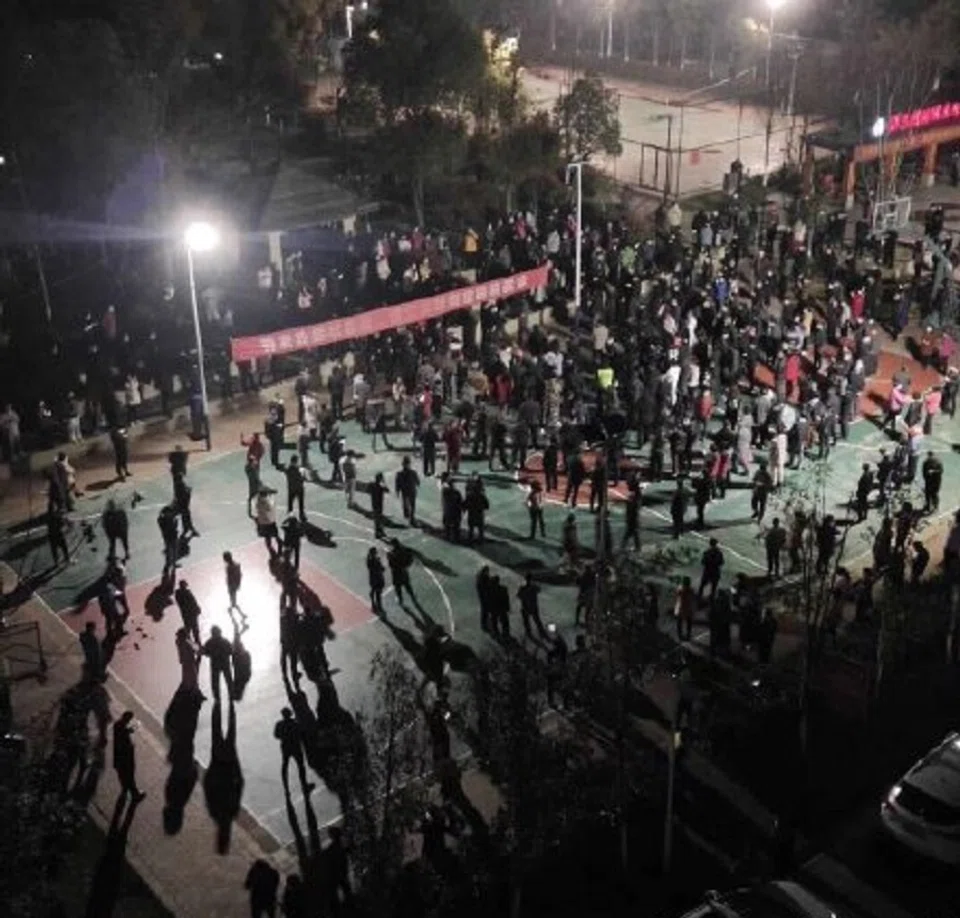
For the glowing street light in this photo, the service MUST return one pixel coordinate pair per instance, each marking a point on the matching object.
(200, 237)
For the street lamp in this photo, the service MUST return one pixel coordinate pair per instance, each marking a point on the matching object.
(878, 131)
(773, 5)
(578, 168)
(200, 237)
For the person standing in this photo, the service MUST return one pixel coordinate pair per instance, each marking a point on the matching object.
(428, 445)
(476, 505)
(220, 653)
(349, 468)
(684, 607)
(762, 485)
(678, 508)
(406, 486)
(288, 732)
(189, 665)
(712, 563)
(378, 491)
(778, 457)
(265, 515)
(865, 485)
(775, 541)
(189, 610)
(124, 756)
(377, 581)
(529, 596)
(92, 652)
(254, 483)
(263, 883)
(932, 472)
(295, 486)
(535, 510)
(121, 451)
(167, 521)
(292, 539)
(116, 528)
(400, 560)
(551, 463)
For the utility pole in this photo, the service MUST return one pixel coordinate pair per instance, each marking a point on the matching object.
(18, 180)
(577, 283)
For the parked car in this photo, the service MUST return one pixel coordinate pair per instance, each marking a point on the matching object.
(777, 899)
(922, 810)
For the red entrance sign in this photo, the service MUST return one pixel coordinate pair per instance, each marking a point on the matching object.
(923, 117)
(387, 318)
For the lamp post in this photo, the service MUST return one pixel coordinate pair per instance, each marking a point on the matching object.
(577, 167)
(879, 131)
(200, 237)
(773, 5)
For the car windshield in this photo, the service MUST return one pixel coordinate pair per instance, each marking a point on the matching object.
(928, 808)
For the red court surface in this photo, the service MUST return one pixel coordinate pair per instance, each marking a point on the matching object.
(146, 659)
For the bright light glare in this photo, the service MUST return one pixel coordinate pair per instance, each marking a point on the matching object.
(775, 4)
(879, 127)
(3, 160)
(217, 56)
(202, 237)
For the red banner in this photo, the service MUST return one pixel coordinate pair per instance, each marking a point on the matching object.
(386, 318)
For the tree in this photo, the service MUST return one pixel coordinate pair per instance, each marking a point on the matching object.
(416, 56)
(588, 118)
(385, 794)
(529, 152)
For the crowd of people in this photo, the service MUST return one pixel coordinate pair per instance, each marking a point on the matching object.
(697, 356)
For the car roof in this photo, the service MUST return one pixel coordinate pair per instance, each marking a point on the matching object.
(938, 774)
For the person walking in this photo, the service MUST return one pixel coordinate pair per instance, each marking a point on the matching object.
(182, 494)
(234, 575)
(189, 610)
(377, 581)
(529, 596)
(865, 485)
(220, 653)
(56, 536)
(124, 756)
(712, 562)
(288, 732)
(551, 463)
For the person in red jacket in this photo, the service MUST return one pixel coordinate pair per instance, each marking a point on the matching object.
(453, 440)
(791, 373)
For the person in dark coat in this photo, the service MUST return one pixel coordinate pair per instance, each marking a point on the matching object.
(378, 491)
(124, 756)
(121, 451)
(116, 527)
(263, 883)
